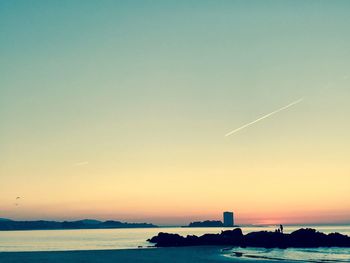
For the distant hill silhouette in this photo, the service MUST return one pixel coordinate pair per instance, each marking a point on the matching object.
(207, 223)
(302, 238)
(5, 219)
(90, 221)
(80, 224)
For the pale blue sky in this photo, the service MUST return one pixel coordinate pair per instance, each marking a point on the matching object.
(125, 84)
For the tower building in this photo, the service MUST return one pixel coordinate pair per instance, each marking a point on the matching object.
(228, 219)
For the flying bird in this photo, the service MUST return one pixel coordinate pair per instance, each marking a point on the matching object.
(17, 199)
(264, 117)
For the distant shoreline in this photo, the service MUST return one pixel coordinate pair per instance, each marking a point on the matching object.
(64, 229)
(166, 226)
(12, 225)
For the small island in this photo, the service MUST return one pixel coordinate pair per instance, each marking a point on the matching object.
(7, 224)
(228, 221)
(302, 238)
(206, 223)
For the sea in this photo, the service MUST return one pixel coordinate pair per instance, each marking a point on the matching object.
(99, 239)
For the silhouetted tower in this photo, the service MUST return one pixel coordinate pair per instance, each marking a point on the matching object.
(228, 219)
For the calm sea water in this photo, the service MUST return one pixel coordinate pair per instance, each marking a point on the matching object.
(58, 240)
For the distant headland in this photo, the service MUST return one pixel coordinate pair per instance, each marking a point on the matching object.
(7, 224)
(302, 238)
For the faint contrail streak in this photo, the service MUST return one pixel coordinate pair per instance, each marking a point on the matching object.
(263, 117)
(81, 163)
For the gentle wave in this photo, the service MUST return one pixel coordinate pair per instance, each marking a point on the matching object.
(292, 254)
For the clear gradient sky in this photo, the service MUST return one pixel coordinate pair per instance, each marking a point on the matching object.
(118, 110)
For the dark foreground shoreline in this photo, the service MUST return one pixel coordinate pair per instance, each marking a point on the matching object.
(302, 238)
(199, 254)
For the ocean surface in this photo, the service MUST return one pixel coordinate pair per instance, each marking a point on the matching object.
(97, 239)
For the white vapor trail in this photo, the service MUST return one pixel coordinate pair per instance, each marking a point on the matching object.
(81, 163)
(264, 117)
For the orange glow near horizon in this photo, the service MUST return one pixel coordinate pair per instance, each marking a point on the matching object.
(186, 189)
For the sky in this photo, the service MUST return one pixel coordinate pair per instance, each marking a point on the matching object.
(119, 110)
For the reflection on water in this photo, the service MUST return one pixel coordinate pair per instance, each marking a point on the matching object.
(296, 254)
(54, 240)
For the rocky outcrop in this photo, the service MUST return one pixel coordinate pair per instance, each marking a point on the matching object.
(302, 238)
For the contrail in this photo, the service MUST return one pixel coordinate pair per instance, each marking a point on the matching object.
(81, 163)
(264, 117)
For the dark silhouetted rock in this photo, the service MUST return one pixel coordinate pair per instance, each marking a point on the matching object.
(307, 237)
(168, 240)
(265, 239)
(304, 238)
(228, 237)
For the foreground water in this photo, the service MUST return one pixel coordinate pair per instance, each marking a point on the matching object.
(97, 239)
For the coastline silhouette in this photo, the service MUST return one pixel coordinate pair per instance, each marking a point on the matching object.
(302, 238)
(7, 224)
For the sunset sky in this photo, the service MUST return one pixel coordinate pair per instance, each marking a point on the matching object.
(119, 110)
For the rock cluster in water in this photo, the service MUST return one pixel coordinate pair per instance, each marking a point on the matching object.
(302, 238)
